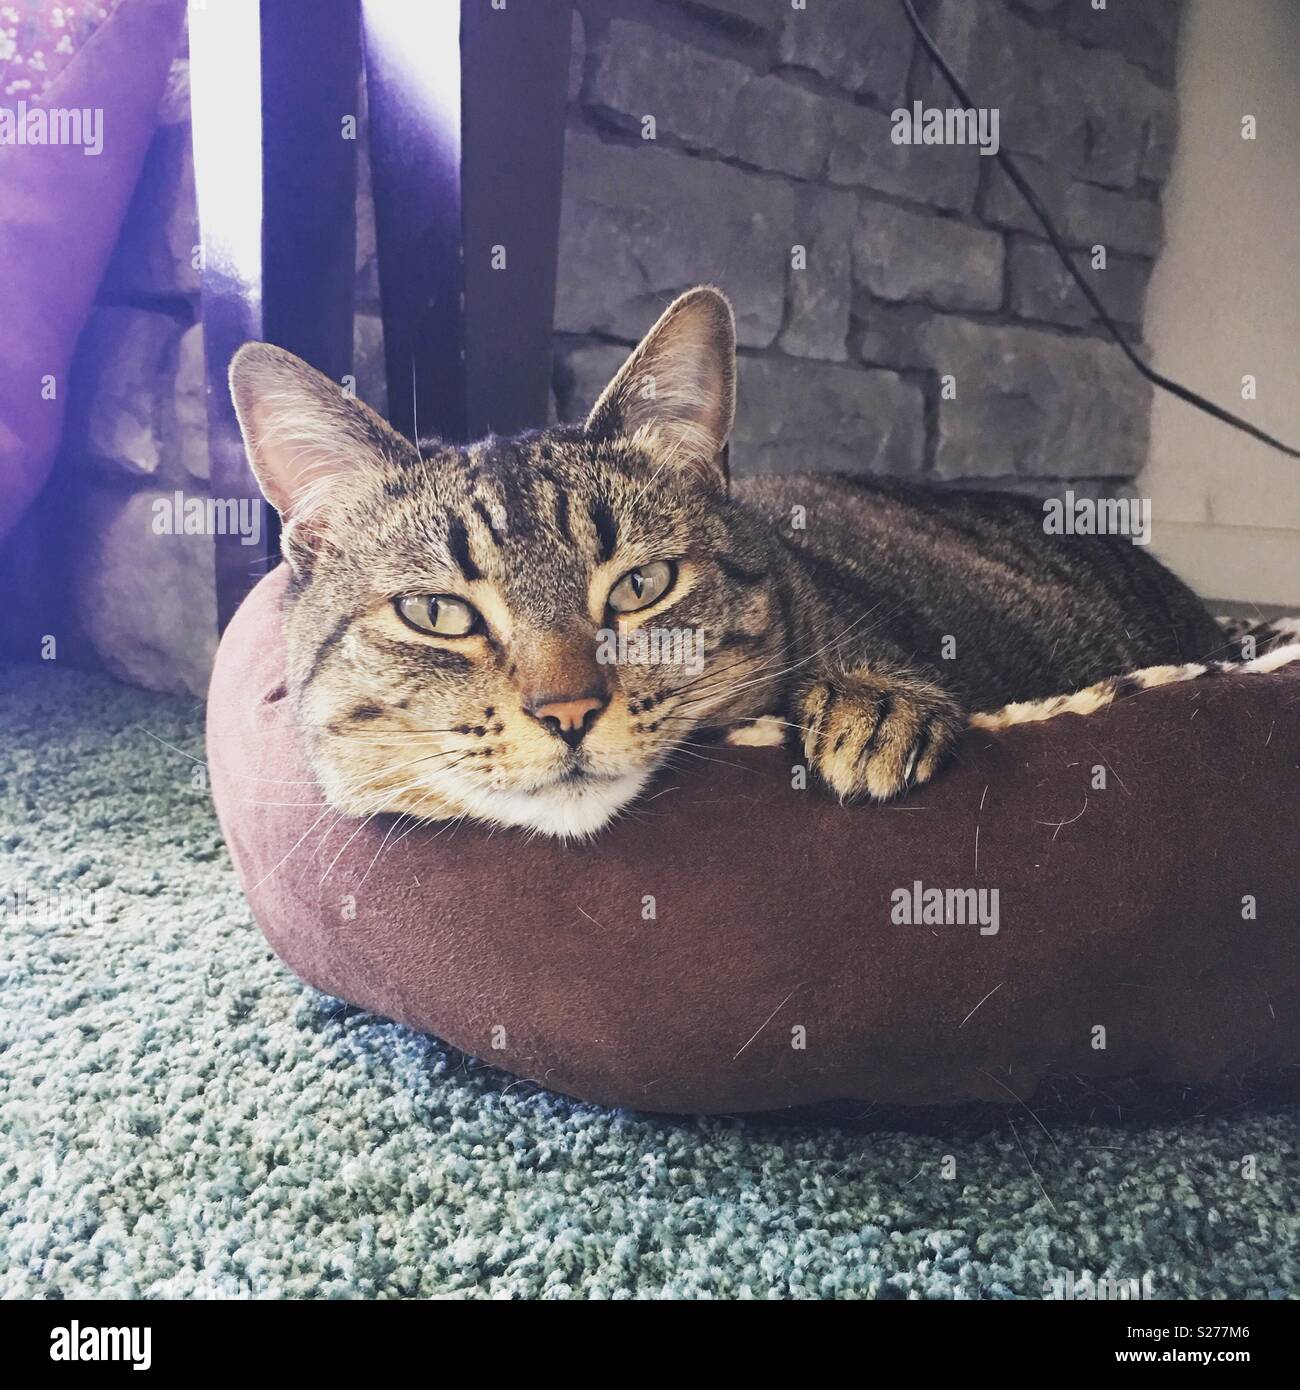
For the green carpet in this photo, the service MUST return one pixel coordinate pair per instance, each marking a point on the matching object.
(180, 1117)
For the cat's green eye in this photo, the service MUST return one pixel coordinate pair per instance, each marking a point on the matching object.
(440, 615)
(639, 588)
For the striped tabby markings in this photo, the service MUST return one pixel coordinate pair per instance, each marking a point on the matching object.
(562, 515)
(491, 524)
(737, 572)
(458, 546)
(323, 650)
(606, 524)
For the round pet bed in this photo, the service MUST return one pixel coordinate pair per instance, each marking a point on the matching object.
(1118, 897)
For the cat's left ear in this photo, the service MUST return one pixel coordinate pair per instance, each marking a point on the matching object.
(676, 393)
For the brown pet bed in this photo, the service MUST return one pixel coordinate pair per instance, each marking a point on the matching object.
(743, 945)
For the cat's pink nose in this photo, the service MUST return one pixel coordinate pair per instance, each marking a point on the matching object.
(567, 717)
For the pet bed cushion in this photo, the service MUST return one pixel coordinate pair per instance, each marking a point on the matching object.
(743, 944)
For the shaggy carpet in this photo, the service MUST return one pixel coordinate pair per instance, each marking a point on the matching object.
(180, 1117)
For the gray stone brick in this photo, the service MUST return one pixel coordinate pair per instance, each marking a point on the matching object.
(1034, 402)
(1144, 31)
(777, 125)
(862, 155)
(577, 55)
(1121, 104)
(155, 253)
(899, 254)
(139, 399)
(1098, 216)
(817, 320)
(126, 363)
(153, 596)
(889, 335)
(1028, 73)
(185, 422)
(640, 224)
(690, 93)
(1161, 139)
(709, 103)
(1002, 206)
(863, 47)
(583, 374)
(762, 14)
(1085, 110)
(1042, 288)
(795, 416)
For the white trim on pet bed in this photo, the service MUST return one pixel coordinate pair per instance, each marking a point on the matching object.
(1279, 638)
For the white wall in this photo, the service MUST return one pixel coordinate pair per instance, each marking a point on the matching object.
(1225, 301)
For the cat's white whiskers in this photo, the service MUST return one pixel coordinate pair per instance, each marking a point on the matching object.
(383, 801)
(347, 842)
(292, 848)
(833, 643)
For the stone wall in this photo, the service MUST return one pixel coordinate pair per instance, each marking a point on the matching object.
(771, 132)
(137, 426)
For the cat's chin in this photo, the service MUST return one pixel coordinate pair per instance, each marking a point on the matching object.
(565, 810)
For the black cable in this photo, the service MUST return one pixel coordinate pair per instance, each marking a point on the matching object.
(1027, 193)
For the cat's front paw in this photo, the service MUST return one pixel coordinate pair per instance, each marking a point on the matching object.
(876, 735)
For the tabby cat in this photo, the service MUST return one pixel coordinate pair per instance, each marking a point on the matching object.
(450, 608)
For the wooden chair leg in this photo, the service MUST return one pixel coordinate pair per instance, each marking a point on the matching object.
(467, 109)
(272, 84)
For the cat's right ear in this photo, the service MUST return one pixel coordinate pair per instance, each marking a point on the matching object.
(304, 437)
(676, 393)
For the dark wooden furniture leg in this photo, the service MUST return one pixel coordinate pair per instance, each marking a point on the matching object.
(467, 107)
(467, 117)
(273, 87)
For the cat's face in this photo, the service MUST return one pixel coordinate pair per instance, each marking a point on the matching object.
(520, 631)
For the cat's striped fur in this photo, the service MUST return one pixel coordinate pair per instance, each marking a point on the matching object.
(870, 622)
